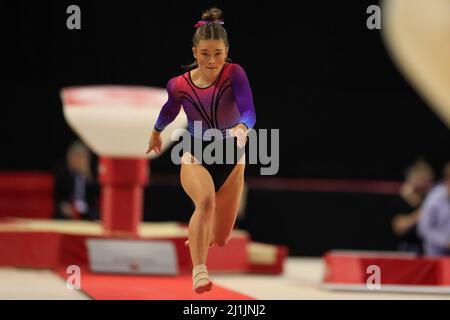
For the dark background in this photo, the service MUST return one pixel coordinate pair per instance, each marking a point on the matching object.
(317, 73)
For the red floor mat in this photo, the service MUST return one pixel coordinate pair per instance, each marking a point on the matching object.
(130, 287)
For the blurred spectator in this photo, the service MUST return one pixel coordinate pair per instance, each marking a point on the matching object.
(76, 191)
(434, 223)
(419, 180)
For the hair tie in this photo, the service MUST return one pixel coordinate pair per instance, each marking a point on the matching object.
(202, 22)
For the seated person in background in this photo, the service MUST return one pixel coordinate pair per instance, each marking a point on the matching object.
(434, 223)
(419, 180)
(76, 191)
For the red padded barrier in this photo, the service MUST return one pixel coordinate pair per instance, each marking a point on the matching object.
(30, 249)
(396, 269)
(26, 194)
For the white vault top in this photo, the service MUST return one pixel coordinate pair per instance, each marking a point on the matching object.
(117, 121)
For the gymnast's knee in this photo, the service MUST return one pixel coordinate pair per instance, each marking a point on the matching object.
(222, 242)
(206, 205)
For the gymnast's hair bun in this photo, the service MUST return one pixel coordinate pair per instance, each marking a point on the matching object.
(212, 14)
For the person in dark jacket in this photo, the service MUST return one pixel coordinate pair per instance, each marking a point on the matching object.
(419, 180)
(76, 190)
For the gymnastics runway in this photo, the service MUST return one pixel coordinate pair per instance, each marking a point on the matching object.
(36, 253)
(301, 278)
(300, 281)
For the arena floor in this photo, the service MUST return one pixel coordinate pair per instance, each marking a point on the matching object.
(300, 281)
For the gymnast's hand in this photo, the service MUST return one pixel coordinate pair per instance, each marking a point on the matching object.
(155, 143)
(240, 132)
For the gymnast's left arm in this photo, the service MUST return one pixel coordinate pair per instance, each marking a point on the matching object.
(244, 98)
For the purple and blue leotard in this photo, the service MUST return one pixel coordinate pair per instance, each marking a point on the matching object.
(225, 103)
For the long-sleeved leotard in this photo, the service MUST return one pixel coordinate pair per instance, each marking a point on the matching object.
(227, 102)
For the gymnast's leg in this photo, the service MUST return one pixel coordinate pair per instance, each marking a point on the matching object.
(198, 184)
(228, 198)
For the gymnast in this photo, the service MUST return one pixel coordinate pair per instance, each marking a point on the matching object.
(216, 93)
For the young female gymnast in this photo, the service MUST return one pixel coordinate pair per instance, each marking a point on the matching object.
(216, 93)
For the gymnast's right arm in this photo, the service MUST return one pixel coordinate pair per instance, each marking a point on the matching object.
(168, 113)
